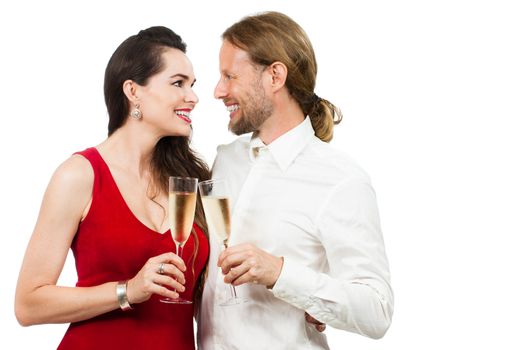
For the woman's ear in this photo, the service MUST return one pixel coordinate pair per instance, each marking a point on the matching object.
(130, 89)
(278, 75)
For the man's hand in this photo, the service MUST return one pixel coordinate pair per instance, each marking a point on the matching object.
(246, 263)
(318, 325)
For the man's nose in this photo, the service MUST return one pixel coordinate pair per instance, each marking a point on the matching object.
(220, 91)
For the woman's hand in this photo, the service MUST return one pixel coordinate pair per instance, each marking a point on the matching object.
(152, 280)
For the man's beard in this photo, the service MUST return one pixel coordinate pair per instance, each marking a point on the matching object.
(254, 112)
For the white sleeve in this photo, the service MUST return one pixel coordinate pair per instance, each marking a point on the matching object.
(355, 294)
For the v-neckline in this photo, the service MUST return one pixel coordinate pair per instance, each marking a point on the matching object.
(123, 200)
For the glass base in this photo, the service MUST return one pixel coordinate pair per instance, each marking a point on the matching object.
(234, 301)
(176, 301)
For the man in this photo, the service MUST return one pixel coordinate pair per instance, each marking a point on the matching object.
(305, 230)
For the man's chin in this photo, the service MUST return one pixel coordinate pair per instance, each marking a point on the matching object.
(237, 132)
(237, 129)
(241, 125)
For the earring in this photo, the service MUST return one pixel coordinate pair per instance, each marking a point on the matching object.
(136, 112)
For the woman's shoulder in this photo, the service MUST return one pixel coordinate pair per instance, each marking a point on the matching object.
(75, 174)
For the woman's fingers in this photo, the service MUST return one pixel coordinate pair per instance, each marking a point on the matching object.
(170, 258)
(162, 290)
(171, 270)
(165, 292)
(162, 274)
(163, 280)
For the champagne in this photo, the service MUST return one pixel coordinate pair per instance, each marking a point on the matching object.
(218, 215)
(217, 208)
(181, 215)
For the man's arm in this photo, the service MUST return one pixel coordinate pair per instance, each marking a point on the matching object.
(355, 294)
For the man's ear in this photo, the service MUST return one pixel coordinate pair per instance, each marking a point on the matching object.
(278, 75)
(130, 89)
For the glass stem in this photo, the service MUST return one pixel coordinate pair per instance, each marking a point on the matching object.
(180, 249)
(233, 290)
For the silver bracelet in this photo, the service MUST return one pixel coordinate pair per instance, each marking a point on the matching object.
(122, 296)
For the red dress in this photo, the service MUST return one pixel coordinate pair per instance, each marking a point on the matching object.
(111, 244)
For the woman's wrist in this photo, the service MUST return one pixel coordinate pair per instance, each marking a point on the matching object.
(121, 291)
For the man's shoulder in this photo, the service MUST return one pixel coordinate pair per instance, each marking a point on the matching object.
(238, 146)
(232, 158)
(336, 161)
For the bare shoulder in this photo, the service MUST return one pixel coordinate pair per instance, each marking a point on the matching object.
(75, 174)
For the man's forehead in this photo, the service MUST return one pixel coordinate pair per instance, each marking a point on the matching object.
(231, 55)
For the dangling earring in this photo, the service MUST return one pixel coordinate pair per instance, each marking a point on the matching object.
(136, 112)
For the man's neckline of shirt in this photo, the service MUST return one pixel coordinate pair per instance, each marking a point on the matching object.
(285, 148)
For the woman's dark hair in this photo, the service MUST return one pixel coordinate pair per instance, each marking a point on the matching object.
(138, 58)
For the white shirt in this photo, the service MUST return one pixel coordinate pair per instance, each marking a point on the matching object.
(300, 199)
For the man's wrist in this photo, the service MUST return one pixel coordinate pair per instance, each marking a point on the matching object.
(279, 263)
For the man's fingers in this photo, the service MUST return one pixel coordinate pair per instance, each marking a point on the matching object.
(240, 249)
(244, 278)
(232, 261)
(310, 319)
(319, 326)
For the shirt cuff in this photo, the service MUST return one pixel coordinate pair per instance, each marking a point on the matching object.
(296, 284)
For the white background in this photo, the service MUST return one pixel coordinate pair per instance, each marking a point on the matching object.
(430, 94)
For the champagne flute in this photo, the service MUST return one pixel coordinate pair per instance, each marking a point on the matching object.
(215, 200)
(181, 206)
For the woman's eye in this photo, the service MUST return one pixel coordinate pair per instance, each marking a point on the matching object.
(177, 83)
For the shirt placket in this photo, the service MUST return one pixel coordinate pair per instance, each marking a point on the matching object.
(247, 193)
(222, 291)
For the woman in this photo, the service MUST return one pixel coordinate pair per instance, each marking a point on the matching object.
(108, 204)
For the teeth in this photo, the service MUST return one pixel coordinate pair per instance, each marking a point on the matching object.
(185, 114)
(232, 108)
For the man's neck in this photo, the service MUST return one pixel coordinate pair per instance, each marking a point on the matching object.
(286, 116)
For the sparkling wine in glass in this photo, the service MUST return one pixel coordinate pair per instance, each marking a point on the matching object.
(217, 209)
(181, 206)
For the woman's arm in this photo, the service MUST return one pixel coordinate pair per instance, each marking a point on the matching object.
(38, 299)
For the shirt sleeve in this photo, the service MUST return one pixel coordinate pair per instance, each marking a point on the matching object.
(354, 293)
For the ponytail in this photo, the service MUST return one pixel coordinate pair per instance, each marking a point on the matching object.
(324, 115)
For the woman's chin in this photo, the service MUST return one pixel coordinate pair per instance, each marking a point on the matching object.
(182, 132)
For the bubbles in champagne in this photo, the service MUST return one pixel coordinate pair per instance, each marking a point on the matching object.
(218, 216)
(181, 215)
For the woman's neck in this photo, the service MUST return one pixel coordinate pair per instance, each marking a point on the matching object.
(131, 149)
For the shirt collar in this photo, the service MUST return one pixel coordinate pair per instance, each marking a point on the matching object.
(287, 147)
(255, 145)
